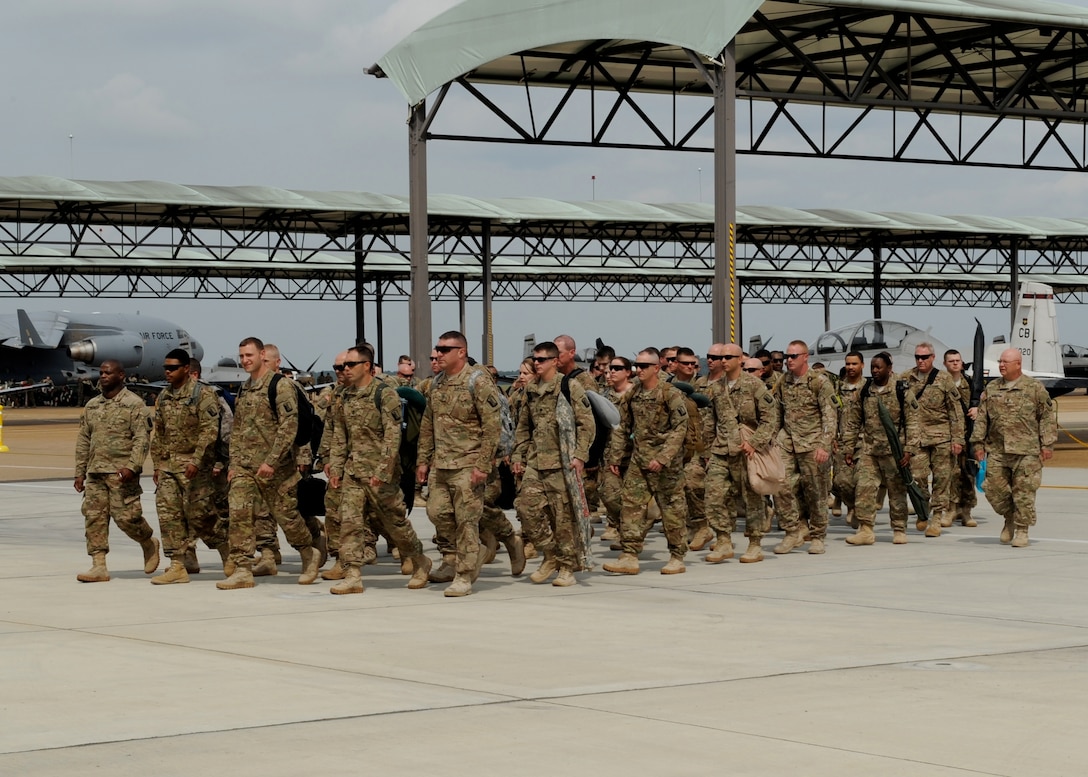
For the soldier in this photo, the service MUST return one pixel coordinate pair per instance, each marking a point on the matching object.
(219, 466)
(458, 438)
(183, 453)
(685, 370)
(770, 375)
(865, 447)
(110, 452)
(845, 476)
(807, 407)
(568, 368)
(962, 497)
(364, 466)
(653, 425)
(611, 486)
(263, 473)
(1015, 431)
(942, 435)
(329, 405)
(778, 362)
(424, 386)
(740, 399)
(406, 372)
(544, 500)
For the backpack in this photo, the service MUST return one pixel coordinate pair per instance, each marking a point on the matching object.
(310, 427)
(221, 447)
(509, 425)
(412, 404)
(602, 427)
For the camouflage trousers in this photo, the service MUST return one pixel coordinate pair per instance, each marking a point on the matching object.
(494, 520)
(1010, 486)
(548, 515)
(726, 484)
(187, 512)
(805, 494)
(610, 490)
(360, 504)
(667, 489)
(591, 482)
(251, 497)
(844, 481)
(963, 494)
(333, 499)
(455, 507)
(939, 460)
(695, 490)
(105, 496)
(874, 472)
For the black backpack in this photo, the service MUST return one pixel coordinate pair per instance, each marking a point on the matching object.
(310, 427)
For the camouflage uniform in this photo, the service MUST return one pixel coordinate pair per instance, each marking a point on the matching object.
(610, 488)
(809, 419)
(1016, 420)
(845, 477)
(591, 476)
(864, 437)
(113, 435)
(745, 401)
(460, 432)
(544, 501)
(653, 425)
(941, 424)
(258, 439)
(186, 428)
(366, 444)
(962, 497)
(330, 406)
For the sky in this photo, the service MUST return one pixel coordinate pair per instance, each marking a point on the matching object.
(274, 92)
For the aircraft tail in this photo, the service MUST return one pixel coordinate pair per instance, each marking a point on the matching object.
(1035, 333)
(527, 348)
(28, 334)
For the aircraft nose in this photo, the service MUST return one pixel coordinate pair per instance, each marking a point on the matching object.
(198, 350)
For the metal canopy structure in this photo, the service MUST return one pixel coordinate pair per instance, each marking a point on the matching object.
(962, 82)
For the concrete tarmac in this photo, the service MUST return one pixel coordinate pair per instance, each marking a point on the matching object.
(946, 656)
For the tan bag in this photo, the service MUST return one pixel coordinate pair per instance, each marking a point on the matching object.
(766, 470)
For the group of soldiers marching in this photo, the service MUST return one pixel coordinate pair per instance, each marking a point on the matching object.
(681, 451)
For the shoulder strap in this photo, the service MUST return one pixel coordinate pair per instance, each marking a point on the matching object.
(929, 381)
(195, 397)
(276, 378)
(378, 389)
(564, 386)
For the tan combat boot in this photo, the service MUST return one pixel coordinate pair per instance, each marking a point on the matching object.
(946, 519)
(816, 546)
(530, 551)
(934, 527)
(1020, 538)
(175, 573)
(446, 571)
(565, 578)
(98, 572)
(515, 548)
(242, 578)
(899, 537)
(461, 586)
(489, 543)
(406, 567)
(150, 547)
(224, 553)
(421, 566)
(921, 525)
(310, 564)
(966, 518)
(611, 534)
(836, 506)
(702, 536)
(723, 549)
(626, 564)
(675, 566)
(351, 583)
(335, 572)
(793, 539)
(192, 565)
(266, 566)
(754, 553)
(1006, 532)
(864, 536)
(852, 519)
(547, 568)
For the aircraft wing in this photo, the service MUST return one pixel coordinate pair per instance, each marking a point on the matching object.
(7, 392)
(32, 330)
(1056, 387)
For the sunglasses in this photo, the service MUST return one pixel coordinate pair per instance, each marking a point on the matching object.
(776, 361)
(338, 367)
(670, 359)
(434, 358)
(768, 364)
(921, 357)
(643, 365)
(349, 365)
(792, 356)
(446, 348)
(542, 359)
(688, 364)
(172, 367)
(753, 369)
(616, 367)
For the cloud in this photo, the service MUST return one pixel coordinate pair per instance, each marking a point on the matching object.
(128, 104)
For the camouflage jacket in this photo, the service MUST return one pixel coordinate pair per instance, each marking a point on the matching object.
(808, 415)
(702, 384)
(113, 435)
(461, 425)
(746, 401)
(940, 416)
(846, 395)
(612, 396)
(653, 425)
(366, 441)
(868, 435)
(1017, 418)
(332, 399)
(537, 441)
(185, 431)
(584, 378)
(257, 438)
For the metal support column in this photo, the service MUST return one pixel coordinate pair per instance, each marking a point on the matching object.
(379, 346)
(1014, 282)
(488, 350)
(462, 316)
(878, 261)
(419, 305)
(725, 298)
(360, 281)
(827, 305)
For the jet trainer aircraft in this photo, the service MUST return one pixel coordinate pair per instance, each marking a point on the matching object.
(66, 347)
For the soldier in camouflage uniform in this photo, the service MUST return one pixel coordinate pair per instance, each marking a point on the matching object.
(329, 406)
(845, 476)
(962, 498)
(611, 485)
(185, 430)
(458, 438)
(221, 489)
(1015, 431)
(567, 366)
(405, 375)
(110, 452)
(867, 450)
(941, 423)
(263, 472)
(685, 370)
(807, 405)
(653, 426)
(364, 466)
(738, 399)
(544, 500)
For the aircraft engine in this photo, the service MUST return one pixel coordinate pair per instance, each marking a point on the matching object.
(126, 348)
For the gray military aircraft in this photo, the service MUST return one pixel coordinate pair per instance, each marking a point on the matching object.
(67, 347)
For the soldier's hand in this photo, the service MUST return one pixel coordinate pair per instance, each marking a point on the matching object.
(126, 475)
(230, 475)
(265, 471)
(376, 482)
(972, 413)
(957, 449)
(78, 485)
(849, 459)
(980, 454)
(327, 468)
(747, 449)
(654, 466)
(821, 456)
(477, 478)
(421, 473)
(614, 469)
(517, 468)
(190, 472)
(1046, 454)
(334, 481)
(905, 461)
(578, 465)
(155, 477)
